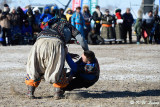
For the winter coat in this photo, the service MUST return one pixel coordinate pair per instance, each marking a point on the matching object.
(15, 19)
(26, 29)
(97, 15)
(138, 27)
(37, 18)
(5, 20)
(118, 26)
(62, 16)
(78, 22)
(87, 18)
(30, 17)
(22, 16)
(45, 17)
(107, 29)
(148, 22)
(127, 20)
(68, 16)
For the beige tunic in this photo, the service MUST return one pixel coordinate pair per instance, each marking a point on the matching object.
(5, 23)
(46, 58)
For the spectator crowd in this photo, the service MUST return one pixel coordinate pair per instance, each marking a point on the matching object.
(20, 26)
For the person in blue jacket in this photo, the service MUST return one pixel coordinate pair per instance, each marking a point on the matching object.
(78, 21)
(86, 71)
(26, 32)
(46, 15)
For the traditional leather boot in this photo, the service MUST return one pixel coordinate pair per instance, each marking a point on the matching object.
(58, 93)
(30, 93)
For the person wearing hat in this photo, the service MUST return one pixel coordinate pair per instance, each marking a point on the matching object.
(46, 15)
(15, 27)
(87, 17)
(5, 19)
(97, 16)
(69, 13)
(107, 29)
(37, 16)
(118, 26)
(54, 11)
(78, 21)
(127, 25)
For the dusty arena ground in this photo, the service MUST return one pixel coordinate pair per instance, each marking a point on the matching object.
(130, 77)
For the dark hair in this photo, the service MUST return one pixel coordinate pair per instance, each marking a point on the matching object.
(107, 10)
(78, 8)
(89, 55)
(6, 5)
(97, 6)
(150, 11)
(61, 9)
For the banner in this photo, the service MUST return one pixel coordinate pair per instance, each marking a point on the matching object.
(85, 2)
(93, 5)
(75, 3)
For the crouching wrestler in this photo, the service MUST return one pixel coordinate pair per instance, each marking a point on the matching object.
(85, 71)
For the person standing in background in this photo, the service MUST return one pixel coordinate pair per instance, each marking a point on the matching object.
(5, 18)
(97, 15)
(127, 25)
(87, 18)
(27, 32)
(46, 15)
(1, 33)
(138, 27)
(78, 21)
(118, 26)
(37, 16)
(22, 16)
(157, 27)
(69, 14)
(30, 17)
(15, 27)
(148, 24)
(107, 29)
(54, 11)
(61, 14)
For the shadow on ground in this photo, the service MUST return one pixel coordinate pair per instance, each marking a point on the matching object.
(106, 94)
(112, 94)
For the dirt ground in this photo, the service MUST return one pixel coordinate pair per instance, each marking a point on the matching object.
(130, 77)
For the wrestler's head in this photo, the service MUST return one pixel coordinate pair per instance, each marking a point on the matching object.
(88, 56)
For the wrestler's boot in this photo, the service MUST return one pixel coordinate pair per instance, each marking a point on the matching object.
(58, 93)
(30, 92)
